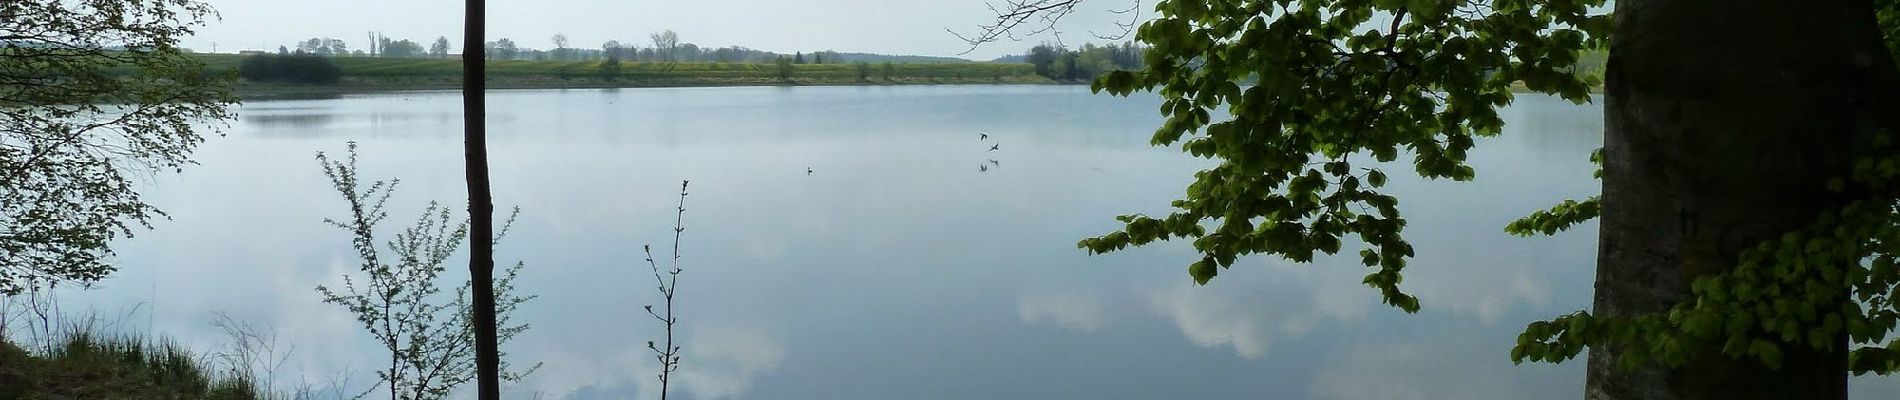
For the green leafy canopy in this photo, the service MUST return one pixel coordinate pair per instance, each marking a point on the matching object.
(92, 92)
(1311, 90)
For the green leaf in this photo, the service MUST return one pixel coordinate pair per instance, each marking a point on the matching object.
(1769, 353)
(1203, 271)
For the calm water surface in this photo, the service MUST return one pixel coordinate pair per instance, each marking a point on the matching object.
(897, 269)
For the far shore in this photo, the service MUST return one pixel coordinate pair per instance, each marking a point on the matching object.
(366, 74)
(265, 91)
(275, 91)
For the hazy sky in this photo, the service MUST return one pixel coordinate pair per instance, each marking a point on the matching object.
(877, 26)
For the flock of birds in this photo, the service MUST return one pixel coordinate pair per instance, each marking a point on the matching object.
(981, 136)
(993, 147)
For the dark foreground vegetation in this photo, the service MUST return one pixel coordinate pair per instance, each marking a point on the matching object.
(85, 365)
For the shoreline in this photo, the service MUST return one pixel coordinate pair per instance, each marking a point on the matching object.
(281, 91)
(369, 75)
(377, 75)
(275, 91)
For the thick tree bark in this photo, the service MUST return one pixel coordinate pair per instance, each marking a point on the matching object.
(481, 204)
(1724, 121)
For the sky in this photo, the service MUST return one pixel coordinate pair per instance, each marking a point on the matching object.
(914, 27)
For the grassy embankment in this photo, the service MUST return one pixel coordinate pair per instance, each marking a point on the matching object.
(364, 73)
(88, 366)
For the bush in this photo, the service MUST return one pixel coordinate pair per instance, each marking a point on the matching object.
(289, 68)
(784, 68)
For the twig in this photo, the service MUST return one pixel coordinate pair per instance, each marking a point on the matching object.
(1016, 19)
(669, 357)
(1134, 17)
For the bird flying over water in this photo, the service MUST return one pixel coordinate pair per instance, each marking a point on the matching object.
(982, 168)
(982, 136)
(996, 163)
(993, 147)
(807, 170)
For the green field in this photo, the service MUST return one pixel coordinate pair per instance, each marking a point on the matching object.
(363, 73)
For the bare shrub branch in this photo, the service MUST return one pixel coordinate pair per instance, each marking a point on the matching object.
(1019, 19)
(667, 282)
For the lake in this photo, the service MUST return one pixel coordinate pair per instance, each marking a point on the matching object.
(905, 265)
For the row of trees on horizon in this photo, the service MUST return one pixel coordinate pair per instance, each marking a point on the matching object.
(665, 46)
(1054, 61)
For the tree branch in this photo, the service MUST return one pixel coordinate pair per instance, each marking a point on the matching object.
(1020, 18)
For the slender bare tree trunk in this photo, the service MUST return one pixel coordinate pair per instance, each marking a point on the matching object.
(1724, 121)
(481, 204)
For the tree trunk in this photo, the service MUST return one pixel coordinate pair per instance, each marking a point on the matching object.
(1724, 121)
(481, 204)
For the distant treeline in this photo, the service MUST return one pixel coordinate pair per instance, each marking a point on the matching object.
(299, 67)
(412, 73)
(663, 46)
(1060, 63)
(664, 61)
(900, 59)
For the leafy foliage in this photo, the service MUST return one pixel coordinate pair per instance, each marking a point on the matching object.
(782, 68)
(92, 92)
(1784, 293)
(401, 48)
(610, 69)
(1055, 61)
(1335, 83)
(1558, 218)
(439, 48)
(1805, 289)
(1564, 215)
(1887, 13)
(430, 341)
(1329, 95)
(324, 46)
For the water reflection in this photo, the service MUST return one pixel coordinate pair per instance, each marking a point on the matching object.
(295, 95)
(1251, 309)
(729, 358)
(891, 270)
(1437, 365)
(1074, 310)
(726, 358)
(270, 122)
